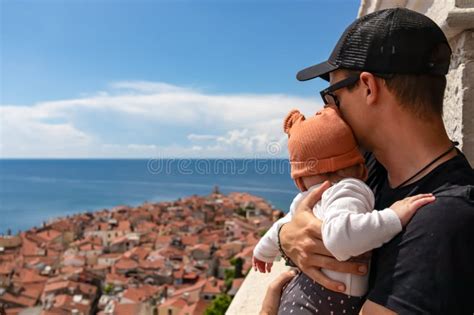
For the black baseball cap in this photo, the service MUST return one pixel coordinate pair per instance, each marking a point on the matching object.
(388, 41)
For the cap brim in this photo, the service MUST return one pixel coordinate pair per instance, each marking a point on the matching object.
(320, 70)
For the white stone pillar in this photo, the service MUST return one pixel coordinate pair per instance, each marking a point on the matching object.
(456, 19)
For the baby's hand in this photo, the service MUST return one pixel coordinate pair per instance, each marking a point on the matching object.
(261, 265)
(407, 207)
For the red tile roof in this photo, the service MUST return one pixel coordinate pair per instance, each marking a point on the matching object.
(127, 309)
(68, 270)
(28, 276)
(119, 240)
(55, 312)
(124, 226)
(146, 226)
(14, 310)
(177, 302)
(190, 275)
(178, 274)
(29, 248)
(195, 309)
(17, 299)
(138, 253)
(156, 264)
(203, 247)
(90, 247)
(63, 301)
(189, 240)
(49, 235)
(197, 286)
(6, 268)
(126, 264)
(33, 291)
(83, 288)
(213, 286)
(141, 294)
(55, 286)
(114, 278)
(111, 256)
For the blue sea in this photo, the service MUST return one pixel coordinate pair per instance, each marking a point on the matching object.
(35, 191)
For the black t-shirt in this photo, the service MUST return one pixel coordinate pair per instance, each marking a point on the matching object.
(428, 268)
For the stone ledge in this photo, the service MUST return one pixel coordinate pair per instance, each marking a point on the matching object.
(249, 298)
(461, 18)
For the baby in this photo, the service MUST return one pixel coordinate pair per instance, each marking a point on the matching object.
(323, 148)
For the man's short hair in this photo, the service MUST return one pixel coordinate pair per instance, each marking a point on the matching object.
(423, 94)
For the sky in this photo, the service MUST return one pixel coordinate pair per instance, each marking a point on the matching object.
(159, 79)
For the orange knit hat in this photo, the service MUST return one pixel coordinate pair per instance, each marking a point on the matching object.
(320, 144)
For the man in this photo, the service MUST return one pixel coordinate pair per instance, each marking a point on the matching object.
(387, 75)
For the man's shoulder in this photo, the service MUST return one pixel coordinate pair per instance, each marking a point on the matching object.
(450, 193)
(448, 219)
(454, 190)
(455, 172)
(451, 212)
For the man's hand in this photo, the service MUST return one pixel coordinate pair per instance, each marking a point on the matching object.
(271, 302)
(301, 242)
(371, 308)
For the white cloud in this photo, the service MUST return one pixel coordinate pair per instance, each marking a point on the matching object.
(198, 137)
(148, 87)
(233, 125)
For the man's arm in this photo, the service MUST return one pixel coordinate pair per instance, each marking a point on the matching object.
(371, 308)
(301, 241)
(271, 300)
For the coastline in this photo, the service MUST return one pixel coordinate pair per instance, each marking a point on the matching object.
(155, 256)
(33, 191)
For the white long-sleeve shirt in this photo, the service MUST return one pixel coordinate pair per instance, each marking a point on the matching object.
(350, 227)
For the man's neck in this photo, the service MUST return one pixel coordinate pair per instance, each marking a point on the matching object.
(412, 148)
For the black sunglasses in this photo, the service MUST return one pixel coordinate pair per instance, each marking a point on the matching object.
(327, 94)
(330, 98)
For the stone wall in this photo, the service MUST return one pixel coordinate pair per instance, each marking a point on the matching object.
(456, 19)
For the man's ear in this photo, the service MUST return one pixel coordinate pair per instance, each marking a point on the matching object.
(371, 87)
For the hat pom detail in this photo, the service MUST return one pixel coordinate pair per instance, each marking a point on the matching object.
(292, 117)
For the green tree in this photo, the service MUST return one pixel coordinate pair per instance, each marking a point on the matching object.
(241, 211)
(219, 305)
(238, 264)
(229, 275)
(108, 288)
